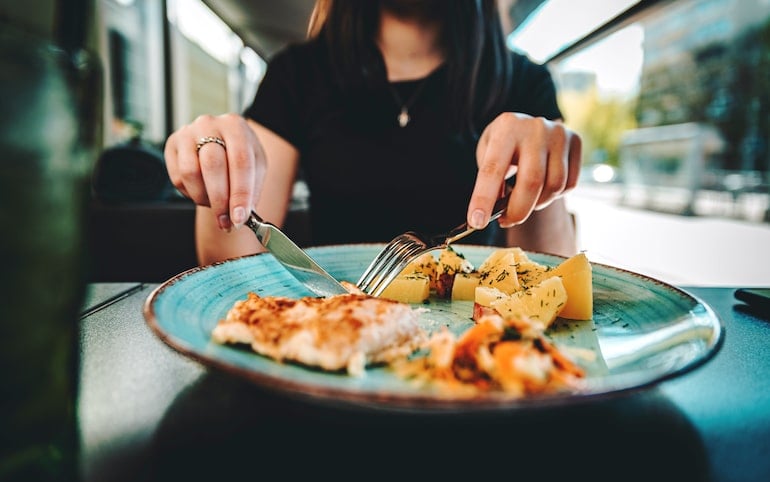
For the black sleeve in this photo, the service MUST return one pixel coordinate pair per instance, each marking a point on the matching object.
(533, 91)
(276, 103)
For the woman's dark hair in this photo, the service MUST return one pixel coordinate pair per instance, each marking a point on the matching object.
(478, 62)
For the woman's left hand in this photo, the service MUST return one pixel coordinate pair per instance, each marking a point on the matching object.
(545, 156)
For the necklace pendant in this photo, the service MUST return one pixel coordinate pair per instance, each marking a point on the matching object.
(403, 117)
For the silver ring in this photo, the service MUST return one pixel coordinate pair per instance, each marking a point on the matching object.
(205, 140)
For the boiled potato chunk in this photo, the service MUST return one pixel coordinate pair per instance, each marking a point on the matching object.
(502, 274)
(576, 275)
(496, 255)
(451, 262)
(409, 288)
(576, 263)
(580, 301)
(425, 264)
(531, 273)
(464, 286)
(485, 296)
(542, 302)
(483, 299)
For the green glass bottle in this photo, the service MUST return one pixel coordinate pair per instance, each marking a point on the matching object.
(48, 133)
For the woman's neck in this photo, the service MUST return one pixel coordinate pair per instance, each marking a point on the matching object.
(411, 49)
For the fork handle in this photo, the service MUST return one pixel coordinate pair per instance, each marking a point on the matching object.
(502, 203)
(463, 230)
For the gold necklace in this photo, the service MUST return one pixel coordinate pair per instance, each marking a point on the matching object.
(403, 116)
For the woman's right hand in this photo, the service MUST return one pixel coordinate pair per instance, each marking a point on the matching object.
(227, 178)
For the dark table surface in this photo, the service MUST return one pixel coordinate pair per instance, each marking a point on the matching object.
(148, 413)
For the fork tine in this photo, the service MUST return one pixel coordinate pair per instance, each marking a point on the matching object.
(391, 250)
(393, 270)
(382, 262)
(376, 265)
(389, 261)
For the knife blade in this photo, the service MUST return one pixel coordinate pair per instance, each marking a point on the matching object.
(293, 258)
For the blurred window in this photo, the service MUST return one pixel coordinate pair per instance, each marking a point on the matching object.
(670, 95)
(164, 68)
(132, 36)
(213, 71)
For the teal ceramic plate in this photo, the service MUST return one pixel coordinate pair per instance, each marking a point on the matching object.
(643, 332)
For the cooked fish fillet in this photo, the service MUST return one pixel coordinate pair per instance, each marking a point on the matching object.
(346, 331)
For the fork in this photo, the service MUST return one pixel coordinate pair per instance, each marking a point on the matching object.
(407, 247)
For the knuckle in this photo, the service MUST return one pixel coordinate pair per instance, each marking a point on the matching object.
(559, 134)
(177, 182)
(530, 183)
(187, 184)
(188, 175)
(483, 199)
(212, 162)
(493, 169)
(518, 117)
(239, 196)
(205, 119)
(508, 122)
(229, 118)
(197, 196)
(540, 128)
(240, 160)
(506, 118)
(218, 201)
(179, 138)
(496, 136)
(555, 184)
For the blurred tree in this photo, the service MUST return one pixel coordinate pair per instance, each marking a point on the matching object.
(601, 121)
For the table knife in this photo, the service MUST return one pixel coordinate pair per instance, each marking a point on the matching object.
(294, 259)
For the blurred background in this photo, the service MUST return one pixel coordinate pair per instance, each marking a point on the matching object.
(672, 99)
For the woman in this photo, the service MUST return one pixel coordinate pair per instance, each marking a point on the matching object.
(401, 115)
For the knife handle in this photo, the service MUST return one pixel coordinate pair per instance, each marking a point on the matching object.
(259, 226)
(253, 220)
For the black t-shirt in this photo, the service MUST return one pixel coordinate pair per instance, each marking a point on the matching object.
(370, 179)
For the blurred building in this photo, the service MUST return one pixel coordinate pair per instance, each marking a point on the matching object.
(708, 61)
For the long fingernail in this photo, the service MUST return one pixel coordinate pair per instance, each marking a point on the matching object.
(224, 222)
(478, 219)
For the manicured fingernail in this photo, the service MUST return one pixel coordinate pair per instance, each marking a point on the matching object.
(239, 216)
(224, 222)
(478, 219)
